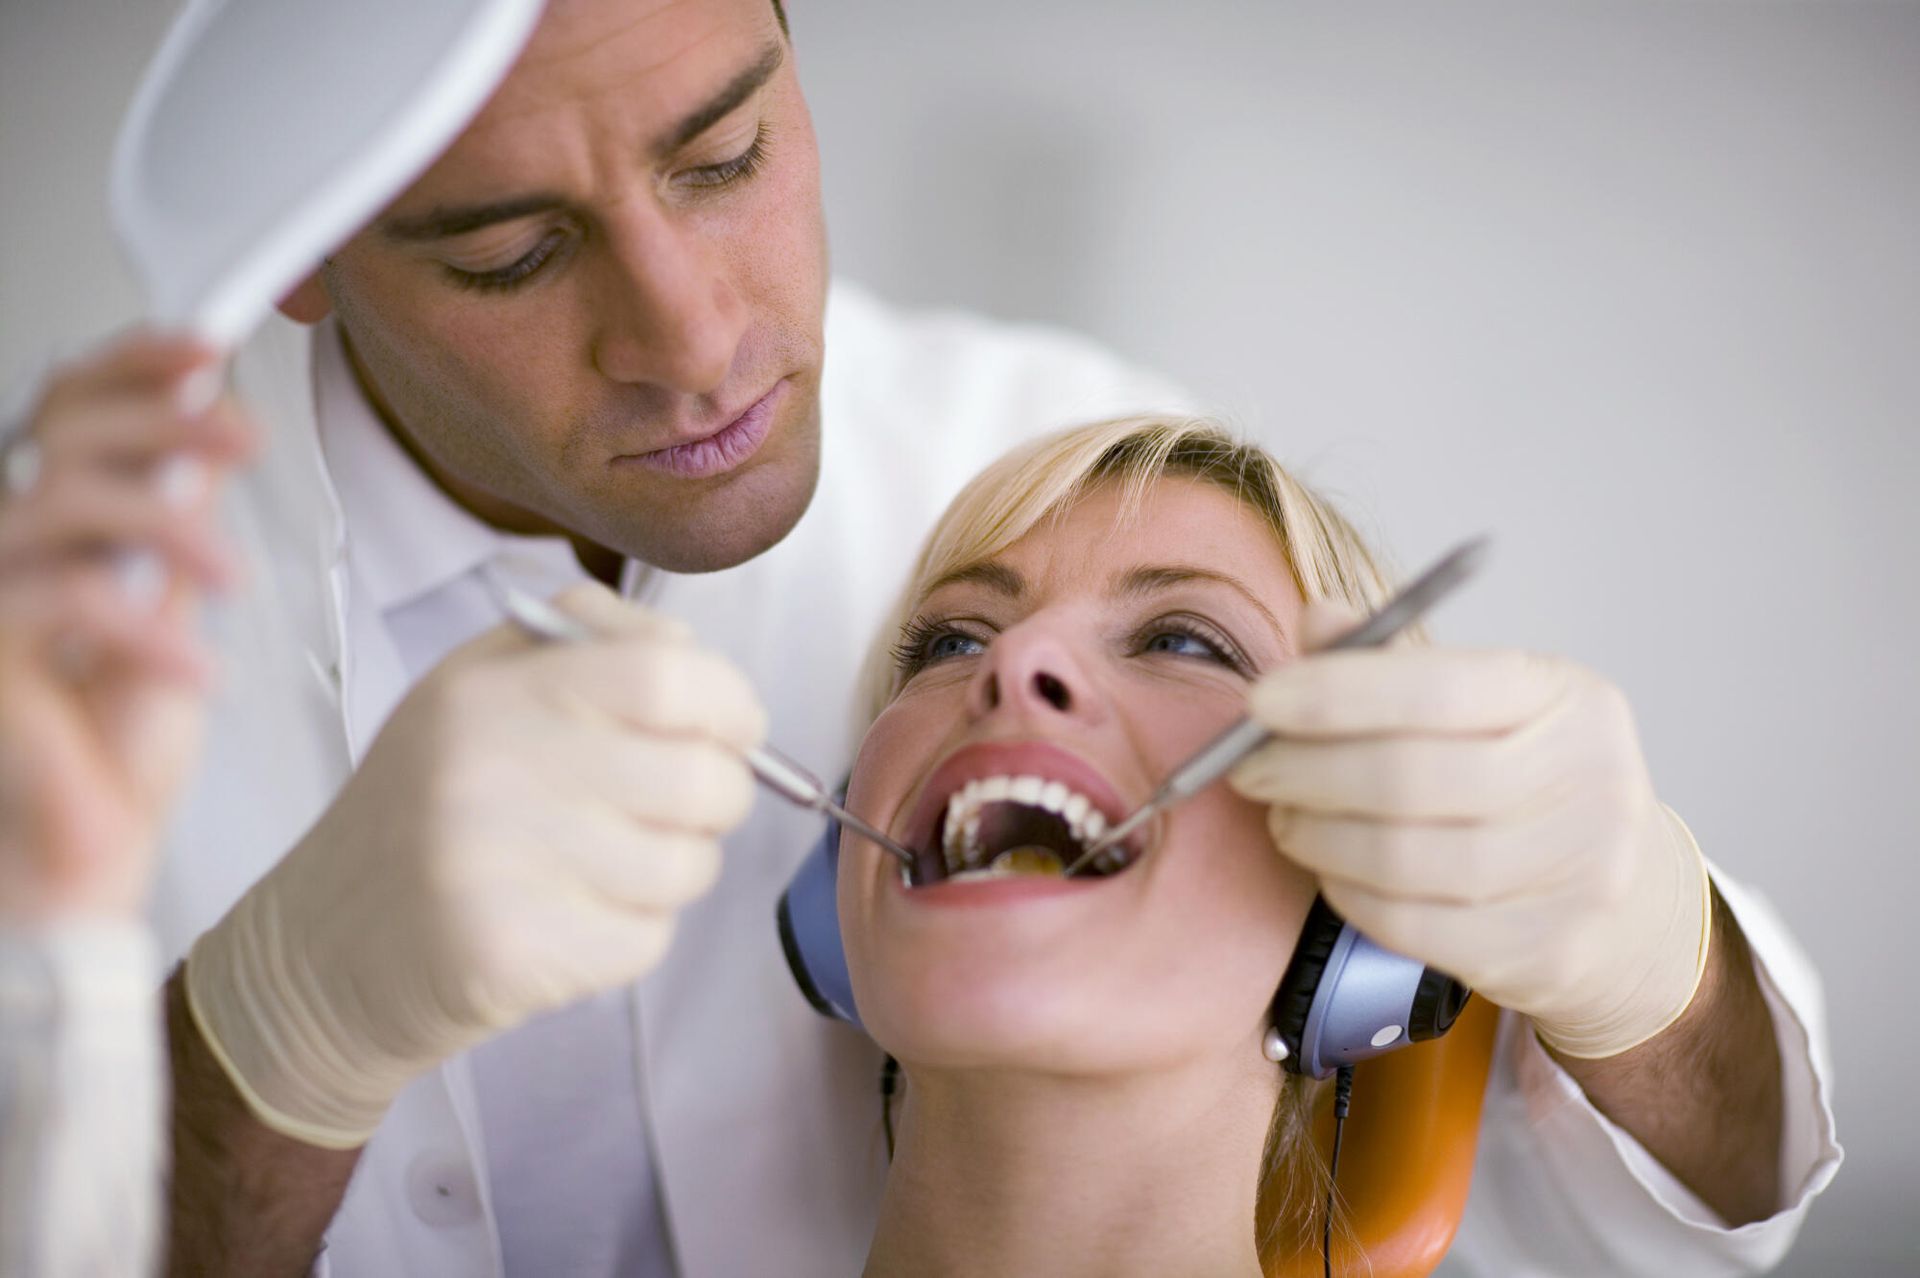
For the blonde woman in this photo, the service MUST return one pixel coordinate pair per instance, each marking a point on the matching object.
(1090, 1090)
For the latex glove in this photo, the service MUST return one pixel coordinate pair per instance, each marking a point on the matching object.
(520, 835)
(103, 688)
(1489, 813)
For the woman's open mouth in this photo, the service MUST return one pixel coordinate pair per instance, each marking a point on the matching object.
(1034, 822)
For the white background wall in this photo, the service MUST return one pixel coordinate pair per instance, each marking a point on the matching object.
(1635, 286)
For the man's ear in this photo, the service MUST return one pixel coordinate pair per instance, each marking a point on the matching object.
(309, 303)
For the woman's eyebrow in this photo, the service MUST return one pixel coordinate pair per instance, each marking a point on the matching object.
(1152, 578)
(985, 572)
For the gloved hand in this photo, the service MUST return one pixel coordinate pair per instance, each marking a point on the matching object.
(520, 835)
(1490, 814)
(103, 686)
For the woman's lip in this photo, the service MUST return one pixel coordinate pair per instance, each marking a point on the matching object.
(976, 893)
(1008, 758)
(719, 452)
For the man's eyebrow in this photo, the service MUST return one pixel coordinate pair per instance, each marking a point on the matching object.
(1156, 577)
(725, 102)
(986, 572)
(445, 222)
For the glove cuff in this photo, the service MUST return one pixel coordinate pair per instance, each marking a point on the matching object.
(263, 1024)
(1680, 926)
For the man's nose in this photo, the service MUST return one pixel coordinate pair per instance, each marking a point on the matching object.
(669, 315)
(1033, 672)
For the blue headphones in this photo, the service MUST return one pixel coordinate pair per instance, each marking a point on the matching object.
(1343, 998)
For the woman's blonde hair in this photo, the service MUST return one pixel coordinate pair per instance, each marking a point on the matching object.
(1043, 480)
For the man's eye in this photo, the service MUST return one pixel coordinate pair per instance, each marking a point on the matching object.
(514, 273)
(738, 169)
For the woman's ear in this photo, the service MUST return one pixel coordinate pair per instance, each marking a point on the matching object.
(309, 303)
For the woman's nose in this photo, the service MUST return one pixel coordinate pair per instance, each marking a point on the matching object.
(1033, 672)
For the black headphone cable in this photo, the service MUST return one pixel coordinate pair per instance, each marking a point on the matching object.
(889, 1084)
(1342, 1098)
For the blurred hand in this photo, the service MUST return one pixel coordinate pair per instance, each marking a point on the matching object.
(522, 834)
(102, 686)
(1489, 813)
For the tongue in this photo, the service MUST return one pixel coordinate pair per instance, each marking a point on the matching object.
(1026, 861)
(1029, 860)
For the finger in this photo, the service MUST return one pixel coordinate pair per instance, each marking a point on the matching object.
(651, 869)
(1458, 862)
(1488, 945)
(87, 512)
(605, 613)
(142, 360)
(77, 616)
(135, 432)
(616, 944)
(1399, 778)
(662, 688)
(1433, 691)
(682, 784)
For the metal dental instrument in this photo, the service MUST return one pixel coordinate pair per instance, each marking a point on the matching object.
(773, 769)
(1215, 759)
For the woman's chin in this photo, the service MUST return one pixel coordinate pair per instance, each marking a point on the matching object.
(1013, 1025)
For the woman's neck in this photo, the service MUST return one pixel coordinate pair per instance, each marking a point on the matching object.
(1019, 1175)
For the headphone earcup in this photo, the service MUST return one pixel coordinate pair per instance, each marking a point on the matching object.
(1345, 999)
(809, 918)
(1293, 1003)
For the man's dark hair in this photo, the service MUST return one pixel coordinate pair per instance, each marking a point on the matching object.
(780, 12)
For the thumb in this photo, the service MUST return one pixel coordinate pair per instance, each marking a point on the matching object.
(1325, 620)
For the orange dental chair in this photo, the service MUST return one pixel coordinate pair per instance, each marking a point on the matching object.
(1406, 1157)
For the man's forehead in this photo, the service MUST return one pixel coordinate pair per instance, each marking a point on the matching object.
(651, 57)
(636, 66)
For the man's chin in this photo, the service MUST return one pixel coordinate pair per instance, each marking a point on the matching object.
(715, 525)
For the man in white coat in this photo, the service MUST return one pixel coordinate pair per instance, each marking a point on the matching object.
(471, 988)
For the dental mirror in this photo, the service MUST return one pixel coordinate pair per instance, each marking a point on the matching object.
(265, 132)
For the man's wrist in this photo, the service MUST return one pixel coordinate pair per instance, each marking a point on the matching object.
(1703, 1096)
(245, 1199)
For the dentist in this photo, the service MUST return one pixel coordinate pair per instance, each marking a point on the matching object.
(469, 987)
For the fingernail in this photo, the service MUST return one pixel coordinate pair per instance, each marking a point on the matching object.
(142, 578)
(181, 481)
(199, 389)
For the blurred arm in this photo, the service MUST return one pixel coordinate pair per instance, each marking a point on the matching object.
(81, 1157)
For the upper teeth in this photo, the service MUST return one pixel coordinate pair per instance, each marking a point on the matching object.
(961, 838)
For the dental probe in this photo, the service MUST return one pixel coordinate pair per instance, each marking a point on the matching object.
(1216, 758)
(770, 767)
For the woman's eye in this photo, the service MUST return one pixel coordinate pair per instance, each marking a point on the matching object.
(923, 643)
(1191, 640)
(514, 273)
(954, 644)
(1181, 644)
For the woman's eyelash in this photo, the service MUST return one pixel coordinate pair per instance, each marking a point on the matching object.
(726, 173)
(1221, 645)
(913, 651)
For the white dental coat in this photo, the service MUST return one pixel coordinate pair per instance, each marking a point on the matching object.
(763, 1118)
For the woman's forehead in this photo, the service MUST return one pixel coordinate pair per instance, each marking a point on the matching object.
(1177, 527)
